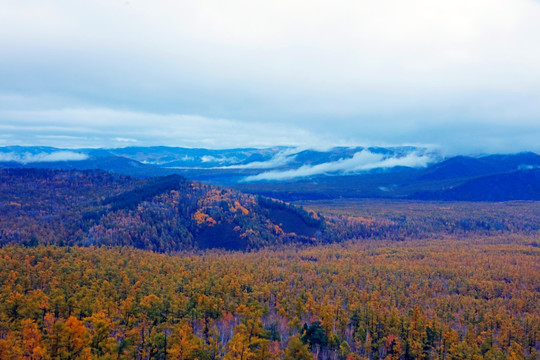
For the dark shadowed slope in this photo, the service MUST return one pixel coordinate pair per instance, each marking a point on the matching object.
(162, 214)
(518, 185)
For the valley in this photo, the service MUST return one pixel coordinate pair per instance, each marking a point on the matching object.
(95, 265)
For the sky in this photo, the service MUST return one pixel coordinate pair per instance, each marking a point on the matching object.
(462, 75)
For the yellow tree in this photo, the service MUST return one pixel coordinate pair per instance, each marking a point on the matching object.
(238, 348)
(417, 333)
(102, 344)
(32, 345)
(76, 339)
(184, 344)
(262, 350)
(296, 350)
(9, 348)
(516, 352)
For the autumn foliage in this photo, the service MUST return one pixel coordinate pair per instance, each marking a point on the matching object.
(438, 299)
(350, 279)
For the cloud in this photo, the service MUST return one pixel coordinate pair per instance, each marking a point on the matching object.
(282, 158)
(125, 140)
(106, 127)
(361, 161)
(26, 121)
(27, 157)
(224, 159)
(464, 74)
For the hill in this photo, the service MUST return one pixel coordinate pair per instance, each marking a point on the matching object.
(518, 185)
(223, 167)
(108, 163)
(167, 213)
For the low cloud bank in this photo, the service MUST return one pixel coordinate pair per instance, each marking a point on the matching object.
(280, 159)
(27, 157)
(215, 159)
(361, 161)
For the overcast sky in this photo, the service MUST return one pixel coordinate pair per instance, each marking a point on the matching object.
(463, 75)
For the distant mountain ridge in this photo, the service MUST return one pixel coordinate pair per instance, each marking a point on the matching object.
(464, 166)
(171, 157)
(290, 173)
(518, 185)
(460, 178)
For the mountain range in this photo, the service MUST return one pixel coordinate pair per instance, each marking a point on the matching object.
(405, 172)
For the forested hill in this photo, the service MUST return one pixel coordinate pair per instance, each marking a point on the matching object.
(168, 213)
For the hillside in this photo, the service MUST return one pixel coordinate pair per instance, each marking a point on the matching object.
(428, 279)
(517, 185)
(161, 214)
(171, 213)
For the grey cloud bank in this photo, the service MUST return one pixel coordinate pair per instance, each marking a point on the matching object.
(464, 75)
(103, 127)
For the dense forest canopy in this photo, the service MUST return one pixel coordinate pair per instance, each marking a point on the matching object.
(432, 299)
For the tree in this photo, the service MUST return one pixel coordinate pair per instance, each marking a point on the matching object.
(238, 347)
(296, 350)
(101, 344)
(9, 348)
(69, 340)
(214, 346)
(184, 345)
(33, 347)
(315, 336)
(76, 339)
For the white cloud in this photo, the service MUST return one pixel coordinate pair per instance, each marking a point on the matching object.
(282, 158)
(214, 159)
(361, 161)
(125, 140)
(27, 157)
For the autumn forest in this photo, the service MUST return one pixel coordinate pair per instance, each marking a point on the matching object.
(99, 266)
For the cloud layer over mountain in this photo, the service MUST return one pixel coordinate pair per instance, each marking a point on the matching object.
(364, 160)
(26, 157)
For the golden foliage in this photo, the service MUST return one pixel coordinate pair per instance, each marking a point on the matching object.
(473, 298)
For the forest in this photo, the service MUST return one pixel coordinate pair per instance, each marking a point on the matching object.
(171, 213)
(102, 266)
(163, 214)
(426, 299)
